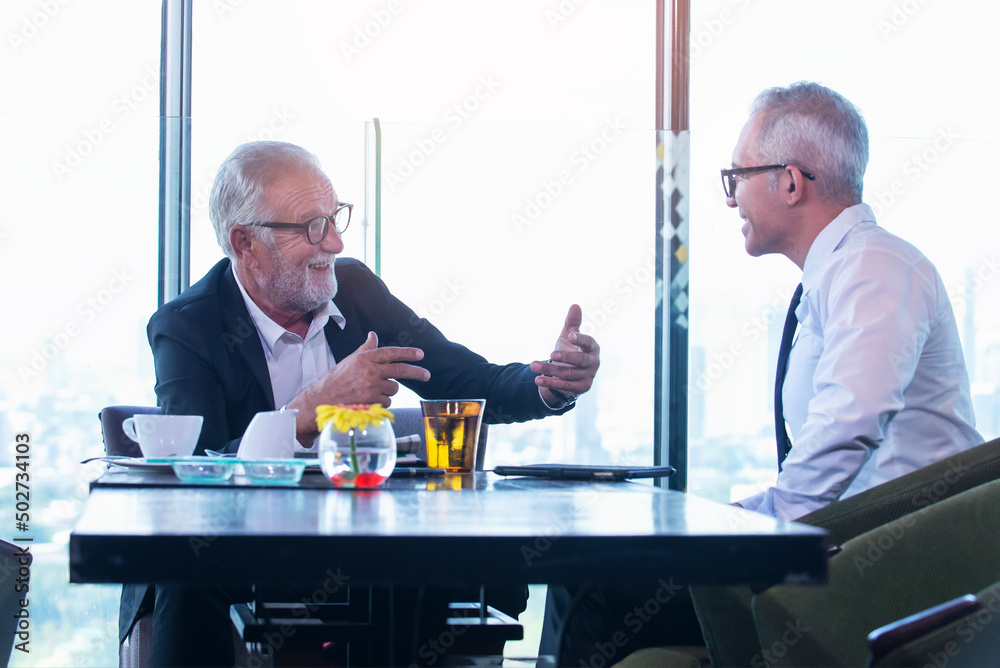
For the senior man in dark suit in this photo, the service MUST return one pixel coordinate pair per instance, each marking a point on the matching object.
(282, 323)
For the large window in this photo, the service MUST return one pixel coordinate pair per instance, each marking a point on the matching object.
(517, 177)
(78, 209)
(518, 159)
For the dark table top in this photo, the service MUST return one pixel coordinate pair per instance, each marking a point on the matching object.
(452, 530)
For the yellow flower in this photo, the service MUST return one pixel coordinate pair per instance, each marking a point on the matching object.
(355, 416)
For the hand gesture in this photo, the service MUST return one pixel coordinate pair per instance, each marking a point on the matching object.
(573, 363)
(366, 376)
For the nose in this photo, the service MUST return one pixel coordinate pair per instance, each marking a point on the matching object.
(731, 201)
(332, 242)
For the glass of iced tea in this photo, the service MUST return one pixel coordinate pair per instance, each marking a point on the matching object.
(451, 432)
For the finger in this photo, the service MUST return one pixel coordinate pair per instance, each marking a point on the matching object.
(574, 318)
(584, 342)
(371, 343)
(405, 372)
(579, 359)
(390, 354)
(557, 370)
(571, 386)
(388, 388)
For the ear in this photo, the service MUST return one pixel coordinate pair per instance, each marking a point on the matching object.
(794, 184)
(242, 242)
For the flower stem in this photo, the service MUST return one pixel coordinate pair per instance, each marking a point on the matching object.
(354, 454)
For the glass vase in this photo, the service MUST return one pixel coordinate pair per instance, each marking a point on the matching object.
(358, 458)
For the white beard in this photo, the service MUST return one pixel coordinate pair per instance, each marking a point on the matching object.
(293, 289)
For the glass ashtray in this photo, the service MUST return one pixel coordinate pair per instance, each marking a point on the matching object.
(274, 471)
(203, 469)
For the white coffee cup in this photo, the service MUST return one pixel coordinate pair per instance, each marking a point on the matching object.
(164, 435)
(270, 434)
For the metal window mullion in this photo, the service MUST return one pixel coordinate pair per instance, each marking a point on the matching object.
(373, 196)
(671, 241)
(175, 150)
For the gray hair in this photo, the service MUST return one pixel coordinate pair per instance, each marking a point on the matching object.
(241, 183)
(819, 130)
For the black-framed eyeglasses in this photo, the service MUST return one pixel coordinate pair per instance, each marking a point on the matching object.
(729, 175)
(317, 228)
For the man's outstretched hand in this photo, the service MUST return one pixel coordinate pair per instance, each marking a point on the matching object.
(573, 362)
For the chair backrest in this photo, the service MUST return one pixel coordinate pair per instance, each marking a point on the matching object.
(410, 421)
(724, 612)
(115, 440)
(942, 551)
(12, 559)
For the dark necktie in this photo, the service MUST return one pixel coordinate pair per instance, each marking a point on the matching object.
(787, 335)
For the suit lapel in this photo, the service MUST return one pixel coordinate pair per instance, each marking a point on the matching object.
(240, 335)
(345, 341)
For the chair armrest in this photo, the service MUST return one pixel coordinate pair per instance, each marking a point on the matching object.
(887, 638)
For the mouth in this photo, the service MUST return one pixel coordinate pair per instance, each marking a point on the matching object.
(325, 265)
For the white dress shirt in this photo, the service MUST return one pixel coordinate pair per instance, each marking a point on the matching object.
(293, 362)
(876, 385)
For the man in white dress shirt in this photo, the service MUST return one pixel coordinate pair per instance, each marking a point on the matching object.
(876, 384)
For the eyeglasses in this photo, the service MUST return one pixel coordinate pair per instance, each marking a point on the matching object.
(729, 175)
(317, 228)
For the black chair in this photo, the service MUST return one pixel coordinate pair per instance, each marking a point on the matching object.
(115, 440)
(12, 560)
(134, 649)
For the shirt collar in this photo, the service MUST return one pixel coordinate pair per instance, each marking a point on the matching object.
(831, 238)
(270, 331)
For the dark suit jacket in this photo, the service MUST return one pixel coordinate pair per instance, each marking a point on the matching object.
(209, 361)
